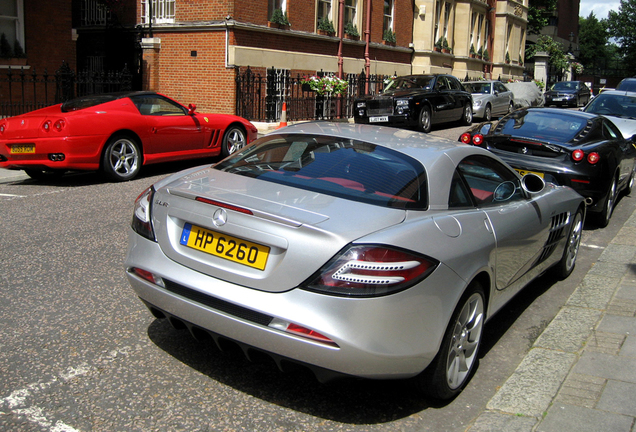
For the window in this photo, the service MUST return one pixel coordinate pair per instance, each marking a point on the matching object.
(350, 7)
(438, 14)
(157, 106)
(93, 13)
(275, 5)
(447, 11)
(162, 11)
(490, 182)
(12, 22)
(388, 16)
(324, 11)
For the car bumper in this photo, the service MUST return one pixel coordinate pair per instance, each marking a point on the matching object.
(479, 111)
(82, 153)
(393, 336)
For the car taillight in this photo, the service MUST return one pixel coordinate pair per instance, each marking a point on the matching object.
(367, 270)
(465, 138)
(59, 125)
(478, 139)
(3, 127)
(578, 155)
(46, 126)
(593, 158)
(142, 216)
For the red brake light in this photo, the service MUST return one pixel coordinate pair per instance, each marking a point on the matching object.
(3, 127)
(311, 334)
(465, 138)
(478, 139)
(224, 205)
(371, 271)
(578, 155)
(47, 126)
(593, 158)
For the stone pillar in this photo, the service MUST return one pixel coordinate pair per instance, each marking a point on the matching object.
(541, 66)
(150, 66)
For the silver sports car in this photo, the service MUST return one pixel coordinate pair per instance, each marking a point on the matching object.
(351, 249)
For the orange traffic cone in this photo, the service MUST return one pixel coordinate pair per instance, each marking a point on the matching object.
(283, 117)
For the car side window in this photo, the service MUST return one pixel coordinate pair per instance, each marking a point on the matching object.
(500, 87)
(610, 131)
(454, 83)
(157, 106)
(490, 182)
(441, 84)
(460, 196)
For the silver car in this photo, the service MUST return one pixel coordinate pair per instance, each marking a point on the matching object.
(355, 250)
(618, 106)
(490, 99)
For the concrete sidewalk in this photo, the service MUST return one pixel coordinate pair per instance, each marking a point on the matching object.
(580, 374)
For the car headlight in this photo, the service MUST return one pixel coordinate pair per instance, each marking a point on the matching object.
(361, 105)
(477, 104)
(142, 216)
(402, 102)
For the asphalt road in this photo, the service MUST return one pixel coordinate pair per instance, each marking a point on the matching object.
(79, 352)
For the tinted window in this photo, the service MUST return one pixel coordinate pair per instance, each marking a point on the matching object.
(611, 104)
(628, 84)
(454, 83)
(345, 168)
(500, 87)
(483, 88)
(547, 126)
(87, 102)
(484, 176)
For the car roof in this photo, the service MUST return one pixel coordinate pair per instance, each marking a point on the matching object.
(87, 101)
(618, 93)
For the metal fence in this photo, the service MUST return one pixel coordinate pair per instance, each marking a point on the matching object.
(22, 90)
(260, 98)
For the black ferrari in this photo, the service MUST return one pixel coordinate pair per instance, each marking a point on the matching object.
(584, 151)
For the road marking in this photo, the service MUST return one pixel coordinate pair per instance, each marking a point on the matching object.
(12, 195)
(17, 401)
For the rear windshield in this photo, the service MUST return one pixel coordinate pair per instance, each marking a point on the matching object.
(483, 88)
(345, 168)
(542, 125)
(87, 102)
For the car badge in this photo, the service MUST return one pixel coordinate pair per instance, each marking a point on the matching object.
(220, 217)
(22, 123)
(524, 150)
(206, 119)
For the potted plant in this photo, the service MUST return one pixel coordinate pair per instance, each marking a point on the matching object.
(486, 57)
(325, 85)
(351, 31)
(389, 37)
(520, 60)
(473, 54)
(507, 58)
(279, 20)
(439, 44)
(325, 27)
(445, 47)
(11, 55)
(480, 53)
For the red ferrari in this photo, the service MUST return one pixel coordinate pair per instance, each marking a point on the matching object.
(117, 134)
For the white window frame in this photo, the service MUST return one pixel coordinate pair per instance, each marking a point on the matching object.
(447, 11)
(388, 17)
(18, 20)
(163, 11)
(438, 17)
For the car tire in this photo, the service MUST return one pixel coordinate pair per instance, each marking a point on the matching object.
(234, 139)
(37, 174)
(425, 121)
(455, 362)
(630, 184)
(487, 113)
(467, 115)
(122, 158)
(608, 208)
(565, 266)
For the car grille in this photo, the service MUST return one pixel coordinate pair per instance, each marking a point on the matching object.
(557, 227)
(380, 106)
(218, 304)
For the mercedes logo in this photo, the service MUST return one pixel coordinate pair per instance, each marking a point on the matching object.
(219, 218)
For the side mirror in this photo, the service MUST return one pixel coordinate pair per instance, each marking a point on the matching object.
(191, 109)
(532, 183)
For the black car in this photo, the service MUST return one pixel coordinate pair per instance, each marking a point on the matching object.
(417, 101)
(584, 151)
(568, 93)
(627, 84)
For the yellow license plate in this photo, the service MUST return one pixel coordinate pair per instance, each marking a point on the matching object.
(22, 148)
(224, 246)
(524, 172)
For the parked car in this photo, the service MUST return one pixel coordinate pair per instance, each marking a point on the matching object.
(618, 106)
(417, 101)
(490, 98)
(355, 250)
(584, 151)
(568, 93)
(117, 134)
(627, 84)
